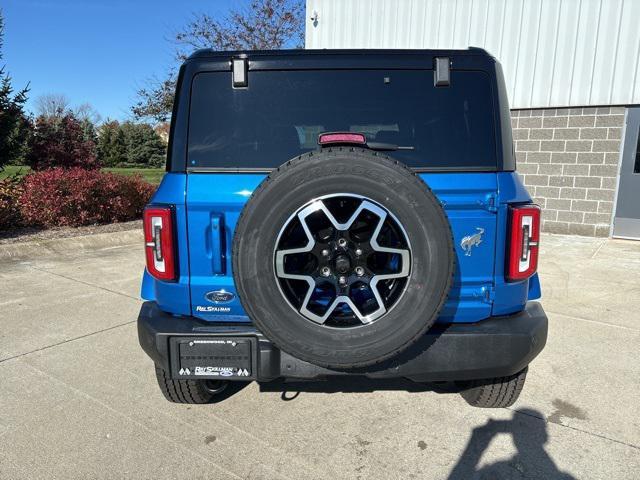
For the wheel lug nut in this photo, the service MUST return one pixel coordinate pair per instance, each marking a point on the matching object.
(359, 271)
(325, 253)
(342, 243)
(325, 271)
(358, 251)
(342, 280)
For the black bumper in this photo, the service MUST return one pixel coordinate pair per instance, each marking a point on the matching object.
(495, 347)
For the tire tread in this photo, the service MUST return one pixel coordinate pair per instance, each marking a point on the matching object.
(499, 392)
(181, 391)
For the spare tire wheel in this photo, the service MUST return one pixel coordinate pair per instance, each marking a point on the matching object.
(343, 257)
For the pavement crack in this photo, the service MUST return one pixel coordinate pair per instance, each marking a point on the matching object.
(47, 347)
(597, 322)
(598, 249)
(597, 435)
(89, 284)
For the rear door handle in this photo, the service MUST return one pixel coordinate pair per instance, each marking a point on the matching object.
(218, 245)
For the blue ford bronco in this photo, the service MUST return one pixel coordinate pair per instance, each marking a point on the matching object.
(345, 212)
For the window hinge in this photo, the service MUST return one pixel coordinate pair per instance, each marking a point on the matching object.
(488, 294)
(491, 202)
(240, 67)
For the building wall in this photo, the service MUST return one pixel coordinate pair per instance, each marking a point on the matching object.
(568, 159)
(570, 67)
(554, 53)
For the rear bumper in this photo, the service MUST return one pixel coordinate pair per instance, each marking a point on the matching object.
(495, 347)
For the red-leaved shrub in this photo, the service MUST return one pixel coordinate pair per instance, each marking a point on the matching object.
(61, 142)
(75, 197)
(10, 192)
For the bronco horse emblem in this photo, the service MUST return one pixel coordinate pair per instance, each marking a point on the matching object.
(471, 241)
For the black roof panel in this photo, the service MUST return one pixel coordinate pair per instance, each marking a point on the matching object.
(209, 53)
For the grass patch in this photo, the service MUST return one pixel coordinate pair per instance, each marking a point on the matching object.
(151, 175)
(10, 170)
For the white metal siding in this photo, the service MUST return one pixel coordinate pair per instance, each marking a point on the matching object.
(554, 53)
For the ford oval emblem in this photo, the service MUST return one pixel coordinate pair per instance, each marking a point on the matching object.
(219, 296)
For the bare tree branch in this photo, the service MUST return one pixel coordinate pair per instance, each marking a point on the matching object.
(262, 25)
(86, 113)
(52, 105)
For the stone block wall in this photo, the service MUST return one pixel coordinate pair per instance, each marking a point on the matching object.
(569, 160)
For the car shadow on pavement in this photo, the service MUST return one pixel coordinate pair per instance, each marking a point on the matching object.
(231, 389)
(353, 384)
(528, 429)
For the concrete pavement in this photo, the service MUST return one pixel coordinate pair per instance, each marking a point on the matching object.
(78, 398)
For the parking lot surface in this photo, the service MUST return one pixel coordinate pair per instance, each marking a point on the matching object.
(78, 397)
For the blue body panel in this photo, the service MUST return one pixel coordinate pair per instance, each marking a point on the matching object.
(172, 297)
(208, 206)
(210, 197)
(469, 202)
(509, 297)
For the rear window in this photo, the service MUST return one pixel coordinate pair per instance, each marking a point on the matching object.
(281, 114)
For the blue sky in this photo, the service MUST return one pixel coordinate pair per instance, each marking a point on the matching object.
(96, 51)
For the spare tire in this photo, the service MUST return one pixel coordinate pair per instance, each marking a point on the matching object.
(343, 257)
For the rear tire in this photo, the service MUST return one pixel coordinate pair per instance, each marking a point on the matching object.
(497, 392)
(188, 391)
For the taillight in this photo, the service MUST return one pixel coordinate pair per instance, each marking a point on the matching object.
(159, 242)
(524, 235)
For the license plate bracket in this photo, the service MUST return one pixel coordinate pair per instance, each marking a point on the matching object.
(220, 357)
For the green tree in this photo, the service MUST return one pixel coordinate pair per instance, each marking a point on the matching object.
(261, 25)
(14, 125)
(112, 148)
(145, 148)
(130, 144)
